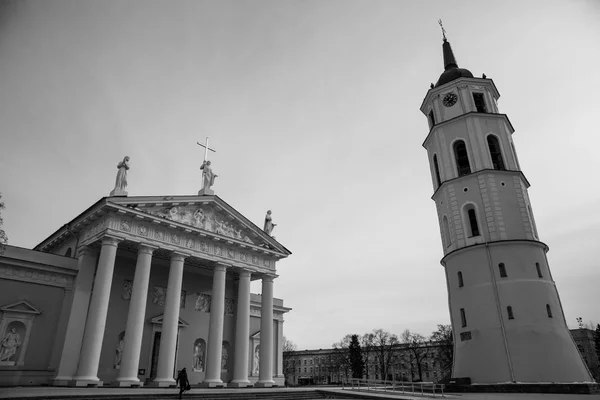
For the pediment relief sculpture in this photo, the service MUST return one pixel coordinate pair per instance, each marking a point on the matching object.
(204, 218)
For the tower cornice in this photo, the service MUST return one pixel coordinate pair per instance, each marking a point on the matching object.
(487, 170)
(466, 116)
(457, 82)
(494, 243)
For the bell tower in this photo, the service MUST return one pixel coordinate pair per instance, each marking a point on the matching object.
(507, 319)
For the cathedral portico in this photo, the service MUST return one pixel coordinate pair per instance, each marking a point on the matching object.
(184, 264)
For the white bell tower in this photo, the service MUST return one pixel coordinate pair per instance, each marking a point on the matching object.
(507, 319)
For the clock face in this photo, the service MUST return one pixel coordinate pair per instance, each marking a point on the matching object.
(450, 99)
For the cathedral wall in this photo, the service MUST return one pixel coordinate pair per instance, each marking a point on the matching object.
(49, 300)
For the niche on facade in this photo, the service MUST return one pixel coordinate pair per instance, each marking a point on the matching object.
(199, 359)
(119, 350)
(255, 347)
(15, 329)
(225, 357)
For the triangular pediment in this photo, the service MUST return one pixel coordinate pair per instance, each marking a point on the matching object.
(21, 306)
(255, 336)
(158, 320)
(209, 214)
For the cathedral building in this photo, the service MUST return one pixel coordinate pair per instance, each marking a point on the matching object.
(136, 288)
(506, 314)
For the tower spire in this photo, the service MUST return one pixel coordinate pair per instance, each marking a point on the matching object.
(449, 60)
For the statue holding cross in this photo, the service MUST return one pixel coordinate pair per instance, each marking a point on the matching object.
(208, 176)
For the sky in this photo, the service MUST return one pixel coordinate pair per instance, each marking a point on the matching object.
(313, 110)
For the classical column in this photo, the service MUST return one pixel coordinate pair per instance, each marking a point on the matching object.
(215, 330)
(265, 373)
(87, 372)
(280, 344)
(242, 333)
(134, 328)
(168, 339)
(86, 263)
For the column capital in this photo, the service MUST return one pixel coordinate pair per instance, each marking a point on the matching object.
(268, 277)
(146, 248)
(111, 240)
(179, 256)
(221, 266)
(245, 273)
(85, 250)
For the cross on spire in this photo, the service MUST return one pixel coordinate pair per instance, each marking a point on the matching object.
(443, 30)
(206, 148)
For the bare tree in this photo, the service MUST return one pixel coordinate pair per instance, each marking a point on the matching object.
(417, 351)
(288, 365)
(444, 345)
(382, 345)
(340, 360)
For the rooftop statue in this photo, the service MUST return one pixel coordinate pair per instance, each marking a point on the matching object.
(121, 182)
(269, 225)
(208, 176)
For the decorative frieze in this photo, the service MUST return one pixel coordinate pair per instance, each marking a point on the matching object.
(35, 276)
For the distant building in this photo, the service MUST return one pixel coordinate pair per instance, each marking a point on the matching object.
(584, 339)
(330, 366)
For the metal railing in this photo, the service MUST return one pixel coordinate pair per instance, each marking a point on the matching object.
(425, 389)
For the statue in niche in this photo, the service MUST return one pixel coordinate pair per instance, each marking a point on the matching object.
(208, 176)
(10, 342)
(121, 181)
(198, 360)
(269, 225)
(119, 351)
(126, 289)
(224, 357)
(199, 218)
(256, 366)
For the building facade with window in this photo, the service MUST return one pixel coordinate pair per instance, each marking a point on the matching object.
(504, 305)
(584, 339)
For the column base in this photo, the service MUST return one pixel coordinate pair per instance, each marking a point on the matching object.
(212, 384)
(61, 381)
(239, 384)
(265, 384)
(85, 383)
(162, 384)
(126, 384)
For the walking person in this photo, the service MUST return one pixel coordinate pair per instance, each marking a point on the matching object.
(182, 380)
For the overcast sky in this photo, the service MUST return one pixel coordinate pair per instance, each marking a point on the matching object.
(313, 108)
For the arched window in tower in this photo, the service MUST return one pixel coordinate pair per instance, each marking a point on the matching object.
(479, 102)
(509, 311)
(539, 270)
(495, 152)
(462, 158)
(437, 170)
(472, 226)
(549, 310)
(502, 270)
(460, 279)
(446, 226)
